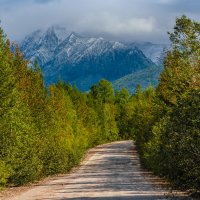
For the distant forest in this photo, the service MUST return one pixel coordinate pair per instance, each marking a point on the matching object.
(45, 131)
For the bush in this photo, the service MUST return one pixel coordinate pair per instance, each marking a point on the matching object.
(5, 172)
(180, 142)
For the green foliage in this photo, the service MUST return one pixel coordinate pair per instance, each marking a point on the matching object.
(167, 127)
(145, 77)
(124, 112)
(185, 37)
(18, 160)
(182, 71)
(4, 173)
(143, 116)
(180, 142)
(47, 131)
(109, 128)
(103, 92)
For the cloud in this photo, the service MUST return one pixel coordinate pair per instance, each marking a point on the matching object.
(116, 25)
(44, 1)
(166, 1)
(120, 19)
(139, 25)
(12, 2)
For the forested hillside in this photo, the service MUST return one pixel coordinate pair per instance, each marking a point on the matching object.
(146, 77)
(45, 131)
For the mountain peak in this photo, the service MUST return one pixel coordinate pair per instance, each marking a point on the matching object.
(84, 60)
(73, 37)
(59, 31)
(118, 45)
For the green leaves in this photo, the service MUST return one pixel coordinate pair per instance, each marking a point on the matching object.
(47, 131)
(172, 150)
(181, 72)
(181, 138)
(185, 37)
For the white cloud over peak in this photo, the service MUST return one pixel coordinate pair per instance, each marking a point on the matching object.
(121, 19)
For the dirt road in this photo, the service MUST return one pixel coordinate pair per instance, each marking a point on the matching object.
(110, 172)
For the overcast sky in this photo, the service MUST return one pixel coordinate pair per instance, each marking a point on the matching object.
(126, 20)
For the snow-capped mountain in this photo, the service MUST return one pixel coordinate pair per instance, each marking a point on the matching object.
(155, 52)
(82, 60)
(41, 45)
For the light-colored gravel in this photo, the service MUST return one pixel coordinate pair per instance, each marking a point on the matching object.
(109, 172)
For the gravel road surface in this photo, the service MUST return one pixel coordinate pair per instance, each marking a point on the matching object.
(109, 172)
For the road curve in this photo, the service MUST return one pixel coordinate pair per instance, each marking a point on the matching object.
(109, 172)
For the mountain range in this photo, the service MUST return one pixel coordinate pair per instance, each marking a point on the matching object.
(83, 60)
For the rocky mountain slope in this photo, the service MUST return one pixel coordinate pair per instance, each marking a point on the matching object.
(156, 52)
(84, 60)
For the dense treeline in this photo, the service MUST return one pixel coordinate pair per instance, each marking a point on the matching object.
(167, 129)
(44, 131)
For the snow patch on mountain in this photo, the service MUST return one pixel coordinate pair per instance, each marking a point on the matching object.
(56, 43)
(85, 60)
(156, 52)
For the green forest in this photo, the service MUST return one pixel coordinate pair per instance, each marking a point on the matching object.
(46, 131)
